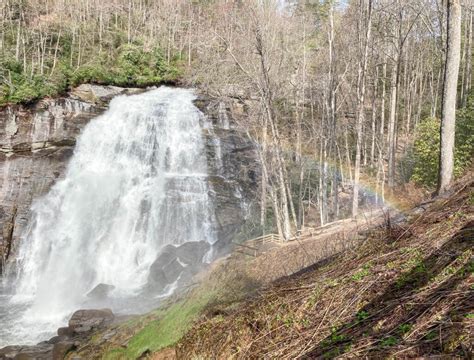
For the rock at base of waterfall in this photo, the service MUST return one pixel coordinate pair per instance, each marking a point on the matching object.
(87, 320)
(192, 253)
(156, 281)
(100, 292)
(189, 273)
(161, 271)
(174, 263)
(60, 349)
(167, 255)
(172, 270)
(36, 352)
(65, 331)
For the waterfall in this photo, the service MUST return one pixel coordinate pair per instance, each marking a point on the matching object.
(137, 181)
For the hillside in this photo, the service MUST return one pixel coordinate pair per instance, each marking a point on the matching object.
(373, 288)
(406, 292)
(215, 179)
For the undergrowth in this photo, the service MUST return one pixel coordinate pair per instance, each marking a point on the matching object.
(166, 329)
(405, 292)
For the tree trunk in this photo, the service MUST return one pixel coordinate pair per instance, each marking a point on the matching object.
(466, 85)
(391, 125)
(360, 107)
(448, 113)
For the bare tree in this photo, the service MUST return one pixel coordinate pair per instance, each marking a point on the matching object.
(448, 114)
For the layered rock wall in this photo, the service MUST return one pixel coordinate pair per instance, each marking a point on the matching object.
(37, 141)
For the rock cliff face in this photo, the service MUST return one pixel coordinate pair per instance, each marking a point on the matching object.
(233, 168)
(36, 142)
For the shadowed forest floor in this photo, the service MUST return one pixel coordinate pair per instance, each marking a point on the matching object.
(407, 291)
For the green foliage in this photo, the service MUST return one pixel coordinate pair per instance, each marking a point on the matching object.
(334, 338)
(465, 135)
(18, 87)
(426, 153)
(431, 335)
(362, 315)
(426, 146)
(131, 65)
(139, 68)
(166, 330)
(471, 198)
(389, 341)
(362, 273)
(404, 329)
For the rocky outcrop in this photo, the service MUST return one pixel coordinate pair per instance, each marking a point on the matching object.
(36, 142)
(82, 325)
(176, 263)
(84, 321)
(234, 170)
(100, 94)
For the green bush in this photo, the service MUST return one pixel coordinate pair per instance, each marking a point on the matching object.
(92, 73)
(426, 152)
(426, 146)
(131, 65)
(136, 67)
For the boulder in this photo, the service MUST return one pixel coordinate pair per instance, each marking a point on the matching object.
(100, 292)
(83, 321)
(167, 255)
(191, 253)
(172, 271)
(34, 352)
(9, 352)
(65, 331)
(188, 274)
(60, 349)
(57, 339)
(156, 281)
(100, 93)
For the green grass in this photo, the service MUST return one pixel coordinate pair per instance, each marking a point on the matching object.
(171, 325)
(389, 341)
(404, 329)
(362, 273)
(362, 315)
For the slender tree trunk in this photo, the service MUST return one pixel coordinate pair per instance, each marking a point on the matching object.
(360, 107)
(391, 124)
(331, 109)
(374, 117)
(466, 86)
(448, 114)
(18, 36)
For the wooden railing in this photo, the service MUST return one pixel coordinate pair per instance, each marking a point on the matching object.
(252, 246)
(265, 239)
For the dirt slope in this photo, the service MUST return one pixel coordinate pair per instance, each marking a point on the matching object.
(407, 291)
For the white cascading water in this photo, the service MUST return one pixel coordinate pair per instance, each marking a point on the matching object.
(136, 182)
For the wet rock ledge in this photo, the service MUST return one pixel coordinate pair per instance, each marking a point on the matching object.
(81, 326)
